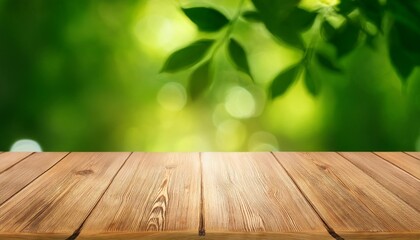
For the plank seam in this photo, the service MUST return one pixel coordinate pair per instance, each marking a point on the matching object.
(76, 233)
(411, 155)
(355, 195)
(329, 229)
(4, 170)
(396, 165)
(34, 179)
(201, 226)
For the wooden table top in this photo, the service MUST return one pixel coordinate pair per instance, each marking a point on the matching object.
(280, 195)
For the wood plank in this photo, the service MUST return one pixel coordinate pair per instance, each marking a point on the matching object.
(164, 188)
(21, 174)
(8, 159)
(403, 161)
(414, 154)
(251, 193)
(208, 236)
(347, 198)
(382, 236)
(402, 184)
(59, 201)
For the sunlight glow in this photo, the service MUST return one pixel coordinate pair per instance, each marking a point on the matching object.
(26, 145)
(163, 28)
(262, 141)
(172, 96)
(240, 103)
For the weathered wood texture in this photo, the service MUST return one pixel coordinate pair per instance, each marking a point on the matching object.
(347, 198)
(59, 201)
(404, 161)
(24, 172)
(250, 192)
(8, 159)
(152, 192)
(224, 195)
(414, 154)
(391, 177)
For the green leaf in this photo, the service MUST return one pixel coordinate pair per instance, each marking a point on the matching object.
(372, 10)
(327, 30)
(346, 6)
(311, 84)
(284, 80)
(326, 62)
(273, 9)
(400, 59)
(346, 38)
(252, 16)
(238, 56)
(406, 13)
(288, 35)
(200, 80)
(409, 41)
(188, 56)
(207, 19)
(300, 18)
(274, 14)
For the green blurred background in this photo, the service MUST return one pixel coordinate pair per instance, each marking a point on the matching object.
(83, 75)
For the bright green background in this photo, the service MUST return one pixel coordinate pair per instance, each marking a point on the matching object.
(83, 75)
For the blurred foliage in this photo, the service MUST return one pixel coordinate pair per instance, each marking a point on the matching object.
(206, 75)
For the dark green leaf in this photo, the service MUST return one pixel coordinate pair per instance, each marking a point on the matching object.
(346, 38)
(252, 16)
(274, 9)
(311, 84)
(372, 10)
(400, 59)
(406, 13)
(200, 80)
(274, 14)
(326, 62)
(238, 56)
(207, 19)
(300, 18)
(327, 30)
(409, 41)
(188, 56)
(284, 80)
(346, 6)
(289, 36)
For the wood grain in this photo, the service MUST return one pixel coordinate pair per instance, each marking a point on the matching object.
(403, 161)
(347, 198)
(381, 236)
(152, 192)
(397, 181)
(209, 236)
(24, 172)
(250, 192)
(8, 159)
(414, 154)
(60, 200)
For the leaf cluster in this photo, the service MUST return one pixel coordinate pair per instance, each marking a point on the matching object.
(363, 21)
(199, 54)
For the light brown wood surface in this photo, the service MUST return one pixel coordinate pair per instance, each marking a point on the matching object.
(414, 154)
(346, 197)
(250, 192)
(404, 161)
(8, 159)
(60, 200)
(24, 172)
(391, 177)
(233, 196)
(152, 192)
